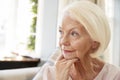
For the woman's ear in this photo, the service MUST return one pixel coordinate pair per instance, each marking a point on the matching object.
(95, 46)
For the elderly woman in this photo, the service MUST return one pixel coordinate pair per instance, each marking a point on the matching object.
(85, 34)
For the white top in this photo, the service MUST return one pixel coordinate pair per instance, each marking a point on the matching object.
(108, 72)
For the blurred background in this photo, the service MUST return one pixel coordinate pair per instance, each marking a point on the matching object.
(29, 27)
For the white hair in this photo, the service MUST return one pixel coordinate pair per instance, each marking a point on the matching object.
(93, 19)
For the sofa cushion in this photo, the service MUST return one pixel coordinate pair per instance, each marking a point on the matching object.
(19, 74)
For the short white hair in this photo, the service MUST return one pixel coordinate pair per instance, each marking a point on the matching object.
(94, 20)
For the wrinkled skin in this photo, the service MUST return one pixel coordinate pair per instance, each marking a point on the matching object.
(76, 45)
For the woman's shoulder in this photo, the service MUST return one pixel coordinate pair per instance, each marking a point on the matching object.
(114, 71)
(47, 72)
(109, 72)
(111, 66)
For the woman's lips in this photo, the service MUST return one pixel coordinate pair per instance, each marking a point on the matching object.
(67, 51)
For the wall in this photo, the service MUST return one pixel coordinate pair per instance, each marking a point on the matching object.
(46, 28)
(116, 35)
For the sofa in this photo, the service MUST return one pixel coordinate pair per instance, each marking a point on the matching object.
(26, 73)
(19, 74)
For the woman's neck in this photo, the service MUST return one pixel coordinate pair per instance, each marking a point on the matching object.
(86, 68)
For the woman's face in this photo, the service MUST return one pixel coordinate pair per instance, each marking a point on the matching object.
(75, 41)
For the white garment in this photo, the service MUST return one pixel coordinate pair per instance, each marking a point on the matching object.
(109, 72)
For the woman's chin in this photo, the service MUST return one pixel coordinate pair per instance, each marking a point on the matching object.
(69, 58)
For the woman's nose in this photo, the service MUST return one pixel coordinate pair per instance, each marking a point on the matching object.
(64, 41)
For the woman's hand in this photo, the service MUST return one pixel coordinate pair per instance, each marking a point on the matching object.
(63, 67)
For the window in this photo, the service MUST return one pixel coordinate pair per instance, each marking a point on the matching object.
(16, 22)
(16, 30)
(6, 25)
(26, 25)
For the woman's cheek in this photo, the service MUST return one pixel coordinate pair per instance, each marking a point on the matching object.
(80, 48)
(76, 45)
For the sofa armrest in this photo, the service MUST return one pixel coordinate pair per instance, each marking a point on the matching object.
(19, 74)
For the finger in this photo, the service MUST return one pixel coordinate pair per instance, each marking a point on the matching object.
(70, 62)
(60, 57)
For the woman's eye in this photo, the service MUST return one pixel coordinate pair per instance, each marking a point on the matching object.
(60, 31)
(74, 34)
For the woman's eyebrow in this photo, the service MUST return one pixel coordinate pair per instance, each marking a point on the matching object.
(60, 27)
